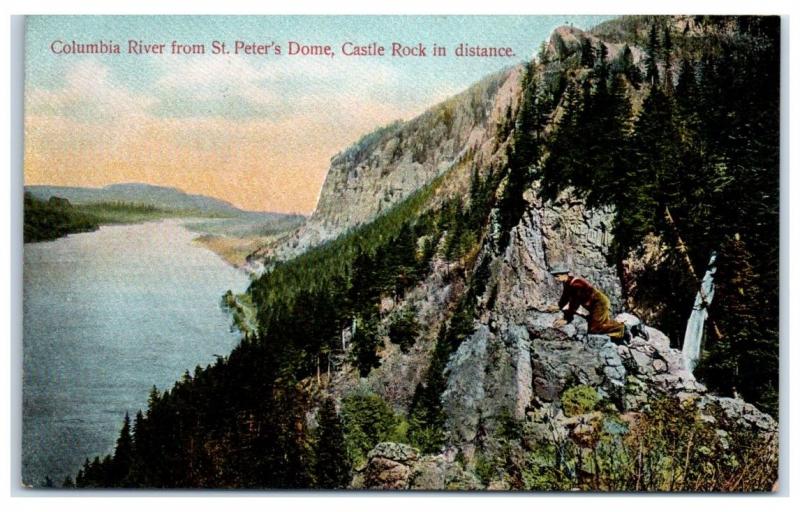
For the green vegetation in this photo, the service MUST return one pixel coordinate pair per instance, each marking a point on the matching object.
(332, 464)
(697, 166)
(669, 448)
(404, 328)
(580, 400)
(524, 153)
(48, 220)
(57, 217)
(242, 311)
(129, 213)
(367, 421)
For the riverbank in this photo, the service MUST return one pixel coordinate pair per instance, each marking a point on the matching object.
(233, 249)
(108, 314)
(58, 217)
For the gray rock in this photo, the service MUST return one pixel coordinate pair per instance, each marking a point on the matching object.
(390, 466)
(394, 451)
(743, 413)
(465, 393)
(429, 473)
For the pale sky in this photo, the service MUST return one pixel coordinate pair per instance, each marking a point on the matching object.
(258, 131)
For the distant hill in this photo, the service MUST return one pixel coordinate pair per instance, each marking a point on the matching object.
(167, 198)
(169, 201)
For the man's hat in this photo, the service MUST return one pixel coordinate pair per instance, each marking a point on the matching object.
(559, 269)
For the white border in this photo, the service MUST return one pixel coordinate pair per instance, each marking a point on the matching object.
(10, 310)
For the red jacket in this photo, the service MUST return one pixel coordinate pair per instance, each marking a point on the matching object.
(577, 292)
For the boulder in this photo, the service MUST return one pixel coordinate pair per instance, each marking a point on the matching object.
(389, 466)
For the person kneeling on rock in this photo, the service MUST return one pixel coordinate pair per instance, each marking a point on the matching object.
(579, 292)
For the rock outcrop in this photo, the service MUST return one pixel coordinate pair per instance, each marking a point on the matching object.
(516, 362)
(396, 466)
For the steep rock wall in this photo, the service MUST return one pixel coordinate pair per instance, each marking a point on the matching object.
(386, 166)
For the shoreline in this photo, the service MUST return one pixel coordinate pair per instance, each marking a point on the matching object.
(233, 250)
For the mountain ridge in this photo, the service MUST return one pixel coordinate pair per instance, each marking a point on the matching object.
(143, 193)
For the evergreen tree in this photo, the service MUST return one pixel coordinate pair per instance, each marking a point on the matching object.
(366, 342)
(602, 62)
(742, 360)
(332, 465)
(123, 453)
(626, 66)
(651, 58)
(565, 158)
(367, 420)
(666, 57)
(426, 414)
(587, 53)
(404, 328)
(523, 158)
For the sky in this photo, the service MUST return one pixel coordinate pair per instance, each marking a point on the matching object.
(255, 130)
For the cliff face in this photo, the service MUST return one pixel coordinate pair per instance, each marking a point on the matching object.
(517, 364)
(517, 367)
(387, 165)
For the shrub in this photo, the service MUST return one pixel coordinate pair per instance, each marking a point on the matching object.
(368, 420)
(579, 400)
(404, 328)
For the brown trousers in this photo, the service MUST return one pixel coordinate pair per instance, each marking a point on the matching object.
(600, 321)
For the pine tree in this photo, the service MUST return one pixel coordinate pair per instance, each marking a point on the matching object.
(566, 156)
(587, 53)
(602, 62)
(123, 453)
(332, 465)
(628, 68)
(651, 58)
(404, 328)
(666, 57)
(426, 414)
(366, 343)
(524, 156)
(741, 360)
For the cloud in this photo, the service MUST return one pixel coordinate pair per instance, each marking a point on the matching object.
(237, 87)
(89, 95)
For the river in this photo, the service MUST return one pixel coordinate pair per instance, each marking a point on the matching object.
(107, 315)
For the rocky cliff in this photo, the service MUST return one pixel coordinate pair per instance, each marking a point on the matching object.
(515, 367)
(387, 165)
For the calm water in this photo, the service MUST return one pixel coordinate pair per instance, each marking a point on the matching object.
(107, 315)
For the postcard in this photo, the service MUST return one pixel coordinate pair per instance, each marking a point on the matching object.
(449, 253)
